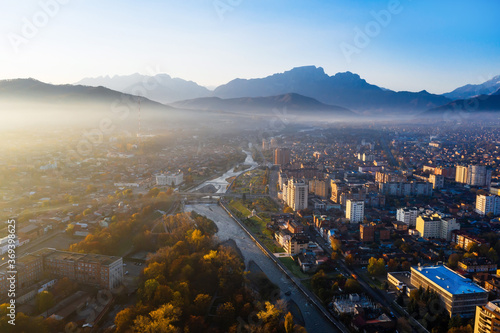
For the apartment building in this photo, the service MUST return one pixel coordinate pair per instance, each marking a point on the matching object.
(459, 295)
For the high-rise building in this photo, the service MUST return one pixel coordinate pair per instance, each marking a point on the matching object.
(337, 187)
(488, 318)
(474, 175)
(461, 174)
(436, 226)
(478, 175)
(319, 187)
(488, 204)
(297, 194)
(459, 295)
(437, 181)
(408, 215)
(282, 156)
(265, 144)
(355, 211)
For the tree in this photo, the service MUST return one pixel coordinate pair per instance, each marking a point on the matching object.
(44, 301)
(158, 321)
(336, 244)
(405, 266)
(392, 265)
(201, 303)
(149, 289)
(349, 260)
(124, 319)
(288, 210)
(453, 260)
(492, 255)
(153, 193)
(352, 286)
(455, 321)
(225, 314)
(376, 266)
(64, 287)
(288, 323)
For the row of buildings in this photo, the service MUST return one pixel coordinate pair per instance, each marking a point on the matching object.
(92, 269)
(473, 175)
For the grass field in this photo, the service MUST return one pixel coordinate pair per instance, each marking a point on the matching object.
(254, 182)
(294, 268)
(257, 225)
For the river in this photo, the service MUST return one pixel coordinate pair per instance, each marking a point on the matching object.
(221, 183)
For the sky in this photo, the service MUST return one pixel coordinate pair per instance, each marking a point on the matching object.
(398, 44)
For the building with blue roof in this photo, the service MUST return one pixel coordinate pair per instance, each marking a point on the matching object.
(459, 295)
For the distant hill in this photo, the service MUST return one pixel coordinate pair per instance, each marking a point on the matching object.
(31, 103)
(343, 89)
(482, 103)
(293, 103)
(161, 88)
(473, 90)
(31, 91)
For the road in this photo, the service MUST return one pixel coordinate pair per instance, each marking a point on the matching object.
(229, 229)
(378, 296)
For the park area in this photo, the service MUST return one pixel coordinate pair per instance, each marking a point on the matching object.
(258, 222)
(252, 182)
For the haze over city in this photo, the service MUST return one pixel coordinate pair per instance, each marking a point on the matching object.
(249, 166)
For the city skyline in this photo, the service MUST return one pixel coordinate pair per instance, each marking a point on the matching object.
(399, 45)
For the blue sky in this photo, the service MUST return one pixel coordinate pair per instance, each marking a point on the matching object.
(432, 45)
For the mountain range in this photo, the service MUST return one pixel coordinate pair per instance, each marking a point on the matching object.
(472, 90)
(31, 91)
(292, 102)
(343, 89)
(481, 103)
(161, 88)
(302, 90)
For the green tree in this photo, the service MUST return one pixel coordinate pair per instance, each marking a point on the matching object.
(492, 255)
(44, 301)
(376, 267)
(150, 288)
(352, 286)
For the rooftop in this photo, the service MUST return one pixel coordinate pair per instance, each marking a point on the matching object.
(449, 280)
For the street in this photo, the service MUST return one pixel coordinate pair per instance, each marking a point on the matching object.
(228, 229)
